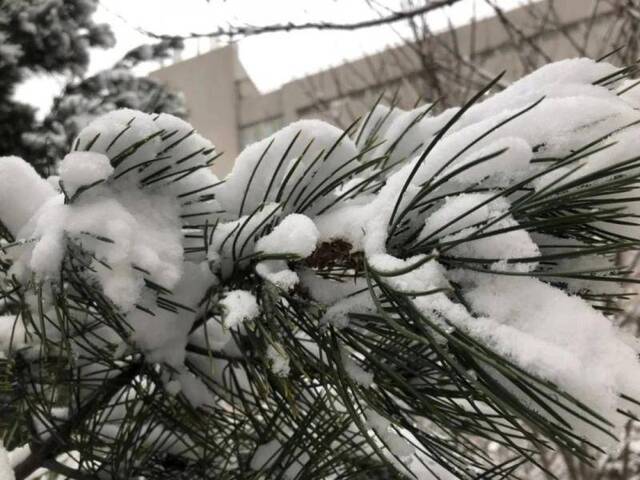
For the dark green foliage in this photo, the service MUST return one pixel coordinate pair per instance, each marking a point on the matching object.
(54, 37)
(450, 391)
(41, 36)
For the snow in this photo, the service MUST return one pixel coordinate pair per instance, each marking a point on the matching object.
(583, 119)
(375, 126)
(501, 162)
(328, 291)
(132, 230)
(278, 360)
(45, 256)
(214, 335)
(555, 336)
(265, 455)
(465, 215)
(239, 306)
(278, 273)
(354, 370)
(295, 235)
(163, 334)
(19, 454)
(170, 246)
(16, 178)
(346, 222)
(6, 470)
(83, 169)
(574, 113)
(118, 132)
(195, 391)
(571, 77)
(124, 229)
(236, 239)
(184, 146)
(586, 113)
(305, 153)
(463, 211)
(13, 335)
(409, 132)
(419, 465)
(54, 181)
(338, 313)
(383, 428)
(422, 274)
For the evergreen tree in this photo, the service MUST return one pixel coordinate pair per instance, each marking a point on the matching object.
(55, 37)
(377, 302)
(41, 36)
(86, 98)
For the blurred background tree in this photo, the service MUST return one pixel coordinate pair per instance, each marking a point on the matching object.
(55, 37)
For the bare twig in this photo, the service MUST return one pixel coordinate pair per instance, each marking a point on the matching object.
(234, 31)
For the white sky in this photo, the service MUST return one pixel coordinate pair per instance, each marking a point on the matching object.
(271, 59)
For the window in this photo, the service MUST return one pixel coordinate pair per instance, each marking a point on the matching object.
(258, 131)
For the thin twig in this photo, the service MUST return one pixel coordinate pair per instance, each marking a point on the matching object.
(250, 30)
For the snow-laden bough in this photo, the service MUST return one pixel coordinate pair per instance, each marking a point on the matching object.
(407, 286)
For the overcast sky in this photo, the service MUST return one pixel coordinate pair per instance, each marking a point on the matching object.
(270, 59)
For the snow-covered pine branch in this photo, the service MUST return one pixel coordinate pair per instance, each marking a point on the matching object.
(344, 302)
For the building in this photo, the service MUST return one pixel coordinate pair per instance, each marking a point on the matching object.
(226, 107)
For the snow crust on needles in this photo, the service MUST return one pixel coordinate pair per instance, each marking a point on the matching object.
(141, 203)
(122, 204)
(574, 113)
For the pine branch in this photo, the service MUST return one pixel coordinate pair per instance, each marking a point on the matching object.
(331, 304)
(46, 451)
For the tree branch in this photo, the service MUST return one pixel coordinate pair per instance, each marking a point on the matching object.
(42, 453)
(250, 30)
